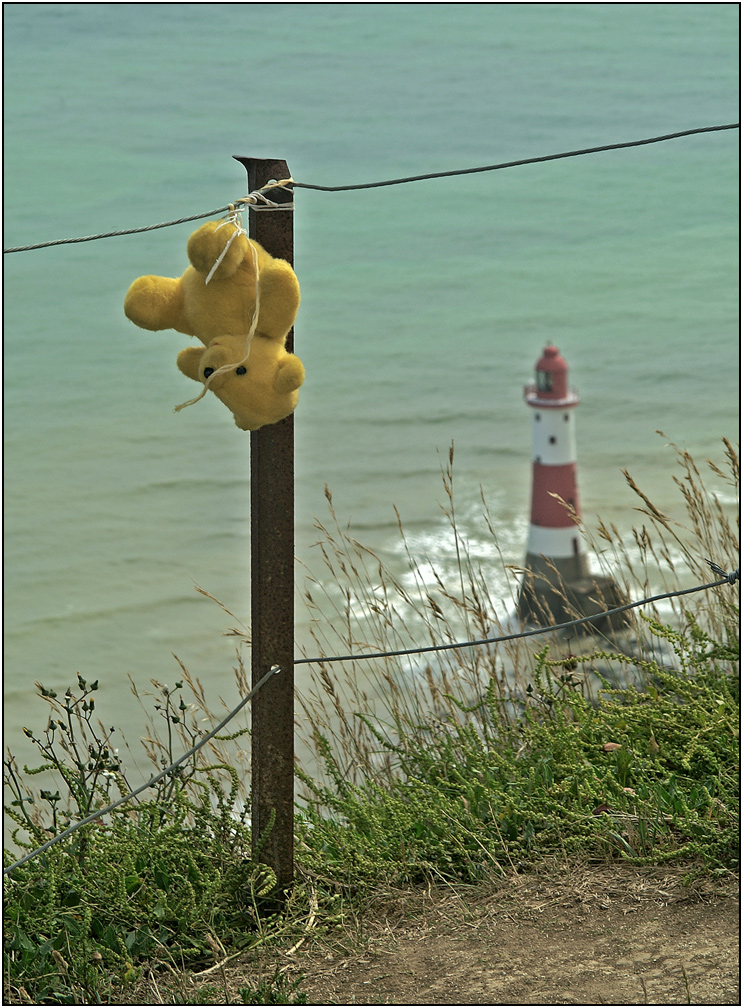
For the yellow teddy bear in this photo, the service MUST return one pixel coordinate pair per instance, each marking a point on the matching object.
(244, 360)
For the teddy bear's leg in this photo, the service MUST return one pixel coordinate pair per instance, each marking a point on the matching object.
(155, 303)
(207, 244)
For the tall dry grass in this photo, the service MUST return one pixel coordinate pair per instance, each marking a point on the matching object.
(357, 604)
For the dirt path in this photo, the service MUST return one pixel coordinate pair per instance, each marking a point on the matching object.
(617, 935)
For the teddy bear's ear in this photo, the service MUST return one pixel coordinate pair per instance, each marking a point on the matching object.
(289, 375)
(189, 360)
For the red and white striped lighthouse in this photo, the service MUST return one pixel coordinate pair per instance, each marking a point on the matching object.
(555, 557)
(558, 585)
(552, 530)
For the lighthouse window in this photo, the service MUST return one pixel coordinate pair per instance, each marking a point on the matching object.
(544, 381)
(553, 440)
(566, 417)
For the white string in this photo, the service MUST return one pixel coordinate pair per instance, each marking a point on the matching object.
(234, 218)
(251, 200)
(258, 201)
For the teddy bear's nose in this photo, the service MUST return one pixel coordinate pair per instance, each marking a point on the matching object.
(208, 371)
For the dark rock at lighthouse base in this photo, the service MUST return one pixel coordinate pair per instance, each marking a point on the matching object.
(546, 601)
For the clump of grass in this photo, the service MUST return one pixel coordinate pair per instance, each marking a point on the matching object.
(146, 880)
(646, 775)
(155, 884)
(273, 989)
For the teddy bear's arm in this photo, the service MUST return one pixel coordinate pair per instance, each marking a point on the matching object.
(154, 302)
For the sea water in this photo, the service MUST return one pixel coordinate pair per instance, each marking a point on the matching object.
(424, 306)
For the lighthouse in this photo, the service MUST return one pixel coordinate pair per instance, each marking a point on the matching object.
(558, 585)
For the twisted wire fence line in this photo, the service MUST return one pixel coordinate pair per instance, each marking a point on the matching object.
(116, 234)
(725, 578)
(291, 184)
(523, 161)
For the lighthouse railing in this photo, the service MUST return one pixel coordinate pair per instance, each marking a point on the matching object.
(533, 397)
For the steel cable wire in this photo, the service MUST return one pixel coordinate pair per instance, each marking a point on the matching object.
(728, 579)
(387, 182)
(522, 161)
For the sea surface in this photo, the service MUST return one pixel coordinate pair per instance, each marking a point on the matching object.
(424, 306)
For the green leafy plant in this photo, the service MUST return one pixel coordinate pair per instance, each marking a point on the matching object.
(78, 752)
(275, 990)
(149, 881)
(647, 775)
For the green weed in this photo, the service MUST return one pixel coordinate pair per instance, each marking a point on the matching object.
(648, 775)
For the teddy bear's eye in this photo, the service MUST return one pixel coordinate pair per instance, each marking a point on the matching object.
(208, 371)
(241, 370)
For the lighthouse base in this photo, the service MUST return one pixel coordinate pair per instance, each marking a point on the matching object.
(547, 600)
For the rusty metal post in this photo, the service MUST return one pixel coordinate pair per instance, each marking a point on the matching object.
(272, 584)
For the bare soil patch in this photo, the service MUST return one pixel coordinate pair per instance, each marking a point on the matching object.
(589, 936)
